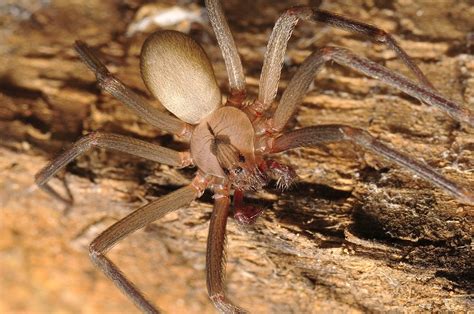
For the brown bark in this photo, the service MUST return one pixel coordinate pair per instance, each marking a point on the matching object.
(355, 234)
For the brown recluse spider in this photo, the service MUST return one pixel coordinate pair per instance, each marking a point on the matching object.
(230, 143)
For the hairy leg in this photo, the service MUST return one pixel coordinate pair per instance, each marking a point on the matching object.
(215, 257)
(134, 221)
(229, 51)
(300, 82)
(110, 141)
(276, 47)
(284, 175)
(312, 136)
(133, 101)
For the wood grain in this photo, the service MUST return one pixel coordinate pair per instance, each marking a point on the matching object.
(356, 234)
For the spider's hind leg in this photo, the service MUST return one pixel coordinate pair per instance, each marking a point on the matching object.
(136, 103)
(111, 141)
(230, 54)
(124, 227)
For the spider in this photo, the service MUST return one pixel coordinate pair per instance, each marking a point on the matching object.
(231, 143)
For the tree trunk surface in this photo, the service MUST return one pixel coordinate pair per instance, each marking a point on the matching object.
(355, 234)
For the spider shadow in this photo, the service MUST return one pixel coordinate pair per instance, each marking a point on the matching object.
(307, 207)
(420, 239)
(416, 234)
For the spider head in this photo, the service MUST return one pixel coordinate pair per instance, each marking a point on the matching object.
(246, 178)
(223, 145)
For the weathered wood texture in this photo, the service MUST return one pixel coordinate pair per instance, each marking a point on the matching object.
(357, 234)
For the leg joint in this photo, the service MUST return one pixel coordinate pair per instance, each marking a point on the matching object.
(92, 139)
(106, 81)
(302, 12)
(381, 36)
(93, 250)
(327, 52)
(357, 135)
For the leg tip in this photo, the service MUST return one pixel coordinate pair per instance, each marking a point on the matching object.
(467, 197)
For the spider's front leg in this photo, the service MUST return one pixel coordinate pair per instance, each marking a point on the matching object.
(284, 26)
(305, 74)
(316, 135)
(293, 95)
(215, 256)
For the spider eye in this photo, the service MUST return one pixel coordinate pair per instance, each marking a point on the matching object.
(178, 72)
(238, 170)
(226, 171)
(241, 158)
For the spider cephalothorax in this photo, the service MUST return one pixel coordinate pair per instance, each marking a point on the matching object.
(231, 143)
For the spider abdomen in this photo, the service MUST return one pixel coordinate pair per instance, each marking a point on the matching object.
(179, 74)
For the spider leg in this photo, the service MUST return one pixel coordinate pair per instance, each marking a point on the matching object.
(312, 136)
(303, 77)
(132, 100)
(134, 221)
(374, 33)
(274, 55)
(215, 257)
(110, 141)
(229, 51)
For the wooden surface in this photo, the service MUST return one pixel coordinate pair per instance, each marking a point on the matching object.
(356, 234)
